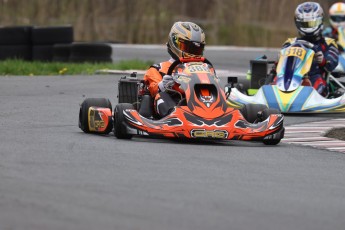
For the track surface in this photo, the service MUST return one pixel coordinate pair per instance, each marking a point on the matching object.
(53, 176)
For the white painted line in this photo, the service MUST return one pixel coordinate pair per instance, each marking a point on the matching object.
(307, 128)
(301, 135)
(321, 125)
(324, 144)
(336, 148)
(304, 131)
(305, 138)
(311, 134)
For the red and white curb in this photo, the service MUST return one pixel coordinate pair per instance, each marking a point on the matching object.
(312, 134)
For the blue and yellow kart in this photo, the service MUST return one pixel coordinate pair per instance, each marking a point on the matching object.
(286, 92)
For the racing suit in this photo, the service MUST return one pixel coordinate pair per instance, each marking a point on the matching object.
(163, 102)
(318, 72)
(330, 32)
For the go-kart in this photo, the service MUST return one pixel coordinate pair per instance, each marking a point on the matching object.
(339, 71)
(290, 90)
(201, 111)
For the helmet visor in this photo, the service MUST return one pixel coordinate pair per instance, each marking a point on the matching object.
(338, 18)
(195, 48)
(309, 24)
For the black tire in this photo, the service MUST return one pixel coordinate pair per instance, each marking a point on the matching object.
(61, 52)
(265, 114)
(120, 130)
(15, 52)
(52, 35)
(271, 142)
(83, 113)
(42, 53)
(94, 50)
(16, 35)
(250, 111)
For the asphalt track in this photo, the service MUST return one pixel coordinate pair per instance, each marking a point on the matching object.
(53, 176)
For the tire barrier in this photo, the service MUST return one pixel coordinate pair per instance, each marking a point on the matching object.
(61, 52)
(15, 42)
(15, 52)
(91, 52)
(44, 39)
(15, 35)
(42, 53)
(52, 35)
(50, 44)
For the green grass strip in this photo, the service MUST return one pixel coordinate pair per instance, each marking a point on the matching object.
(36, 68)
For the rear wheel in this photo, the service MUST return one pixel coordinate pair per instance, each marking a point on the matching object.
(120, 129)
(84, 110)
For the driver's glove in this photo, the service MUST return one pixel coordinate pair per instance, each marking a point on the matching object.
(319, 58)
(166, 83)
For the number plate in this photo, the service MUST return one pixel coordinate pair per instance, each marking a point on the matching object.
(198, 68)
(296, 52)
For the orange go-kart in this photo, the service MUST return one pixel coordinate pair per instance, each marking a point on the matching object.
(201, 110)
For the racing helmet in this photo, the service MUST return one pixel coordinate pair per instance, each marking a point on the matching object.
(186, 40)
(337, 15)
(309, 19)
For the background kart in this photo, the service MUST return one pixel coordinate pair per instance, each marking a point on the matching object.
(291, 92)
(339, 71)
(202, 112)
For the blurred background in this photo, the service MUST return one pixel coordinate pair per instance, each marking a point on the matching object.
(263, 23)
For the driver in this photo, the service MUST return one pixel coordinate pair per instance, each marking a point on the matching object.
(336, 19)
(309, 23)
(186, 40)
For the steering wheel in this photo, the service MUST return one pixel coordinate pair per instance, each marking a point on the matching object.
(180, 61)
(306, 44)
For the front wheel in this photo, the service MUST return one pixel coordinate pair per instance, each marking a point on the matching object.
(265, 114)
(120, 129)
(271, 142)
(84, 113)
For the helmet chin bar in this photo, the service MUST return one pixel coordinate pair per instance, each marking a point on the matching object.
(310, 35)
(172, 54)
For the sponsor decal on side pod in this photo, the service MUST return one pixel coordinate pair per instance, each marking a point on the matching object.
(202, 133)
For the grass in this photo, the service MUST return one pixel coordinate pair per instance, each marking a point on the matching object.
(35, 68)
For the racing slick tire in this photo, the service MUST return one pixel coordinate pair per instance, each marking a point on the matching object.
(120, 130)
(51, 35)
(250, 111)
(15, 35)
(265, 114)
(84, 109)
